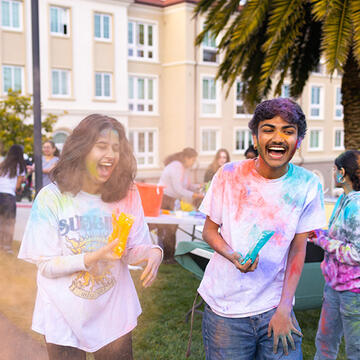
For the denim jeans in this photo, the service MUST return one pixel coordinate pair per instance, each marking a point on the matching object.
(243, 338)
(340, 315)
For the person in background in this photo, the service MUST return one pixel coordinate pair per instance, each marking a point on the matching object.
(221, 157)
(251, 152)
(340, 313)
(86, 299)
(12, 172)
(49, 160)
(176, 179)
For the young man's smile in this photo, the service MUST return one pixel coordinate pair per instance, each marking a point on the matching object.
(276, 141)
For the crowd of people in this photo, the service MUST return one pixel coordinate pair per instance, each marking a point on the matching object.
(86, 299)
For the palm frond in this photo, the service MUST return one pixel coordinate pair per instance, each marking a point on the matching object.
(252, 17)
(355, 16)
(337, 35)
(320, 9)
(203, 6)
(280, 48)
(283, 15)
(306, 53)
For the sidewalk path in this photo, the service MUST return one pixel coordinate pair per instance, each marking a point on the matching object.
(17, 345)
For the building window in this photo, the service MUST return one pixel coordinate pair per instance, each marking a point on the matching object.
(338, 139)
(209, 48)
(143, 143)
(210, 140)
(285, 91)
(243, 139)
(60, 82)
(315, 140)
(13, 78)
(209, 97)
(240, 108)
(59, 20)
(142, 94)
(11, 12)
(103, 85)
(141, 40)
(338, 106)
(316, 102)
(102, 26)
(59, 139)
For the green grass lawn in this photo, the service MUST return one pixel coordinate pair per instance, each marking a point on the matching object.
(162, 332)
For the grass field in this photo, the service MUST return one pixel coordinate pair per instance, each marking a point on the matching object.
(162, 332)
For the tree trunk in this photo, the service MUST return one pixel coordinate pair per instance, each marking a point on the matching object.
(350, 90)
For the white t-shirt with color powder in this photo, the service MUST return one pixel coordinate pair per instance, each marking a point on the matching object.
(244, 204)
(75, 307)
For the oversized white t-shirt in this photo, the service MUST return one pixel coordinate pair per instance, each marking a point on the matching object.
(79, 308)
(244, 204)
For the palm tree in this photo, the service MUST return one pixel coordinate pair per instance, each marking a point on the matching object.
(271, 39)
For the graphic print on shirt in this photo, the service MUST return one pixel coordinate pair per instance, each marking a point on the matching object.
(90, 233)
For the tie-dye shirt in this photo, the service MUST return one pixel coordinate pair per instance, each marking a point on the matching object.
(341, 242)
(75, 306)
(244, 204)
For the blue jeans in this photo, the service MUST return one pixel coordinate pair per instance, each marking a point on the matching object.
(243, 338)
(340, 315)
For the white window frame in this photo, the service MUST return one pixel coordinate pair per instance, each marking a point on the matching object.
(68, 78)
(239, 102)
(146, 102)
(317, 106)
(12, 68)
(321, 139)
(216, 101)
(101, 37)
(11, 27)
(210, 48)
(342, 139)
(145, 47)
(217, 139)
(248, 139)
(338, 106)
(102, 96)
(146, 154)
(62, 19)
(283, 95)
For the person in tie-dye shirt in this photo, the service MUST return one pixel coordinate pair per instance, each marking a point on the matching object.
(248, 311)
(86, 300)
(340, 314)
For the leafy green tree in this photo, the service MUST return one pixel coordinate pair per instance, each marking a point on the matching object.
(16, 126)
(271, 39)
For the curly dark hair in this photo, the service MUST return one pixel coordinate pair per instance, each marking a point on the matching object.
(14, 162)
(69, 171)
(286, 108)
(350, 162)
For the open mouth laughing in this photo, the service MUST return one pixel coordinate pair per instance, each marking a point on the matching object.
(276, 152)
(105, 168)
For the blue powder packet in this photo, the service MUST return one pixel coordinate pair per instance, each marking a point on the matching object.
(253, 252)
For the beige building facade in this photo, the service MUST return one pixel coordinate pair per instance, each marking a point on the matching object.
(137, 61)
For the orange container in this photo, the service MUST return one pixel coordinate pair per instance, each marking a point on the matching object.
(151, 197)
